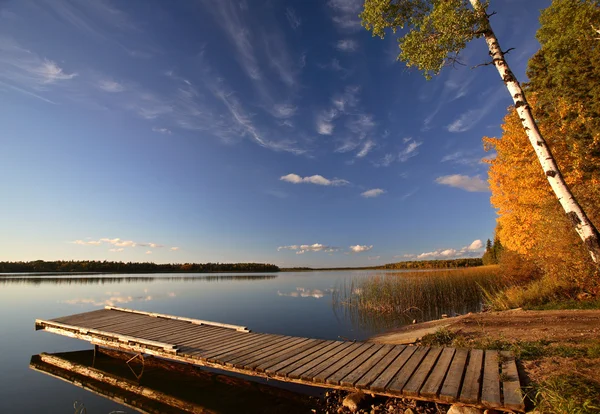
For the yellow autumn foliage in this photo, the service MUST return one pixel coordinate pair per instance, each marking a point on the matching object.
(530, 220)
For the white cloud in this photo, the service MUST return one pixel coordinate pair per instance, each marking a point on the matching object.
(324, 121)
(284, 110)
(293, 18)
(410, 150)
(303, 248)
(375, 192)
(347, 45)
(149, 252)
(50, 72)
(174, 249)
(471, 184)
(367, 147)
(345, 14)
(313, 179)
(470, 118)
(109, 85)
(116, 250)
(477, 244)
(450, 253)
(373, 257)
(162, 130)
(359, 249)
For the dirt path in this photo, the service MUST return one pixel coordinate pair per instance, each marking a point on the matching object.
(555, 326)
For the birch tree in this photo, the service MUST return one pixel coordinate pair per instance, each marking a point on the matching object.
(435, 32)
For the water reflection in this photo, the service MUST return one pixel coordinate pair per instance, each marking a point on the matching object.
(167, 387)
(301, 292)
(108, 279)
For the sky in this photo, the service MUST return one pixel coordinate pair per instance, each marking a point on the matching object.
(242, 131)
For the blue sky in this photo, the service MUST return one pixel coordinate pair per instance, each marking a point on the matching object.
(225, 131)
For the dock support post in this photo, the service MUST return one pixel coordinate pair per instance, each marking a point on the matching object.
(95, 353)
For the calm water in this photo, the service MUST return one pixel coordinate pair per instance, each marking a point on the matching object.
(297, 304)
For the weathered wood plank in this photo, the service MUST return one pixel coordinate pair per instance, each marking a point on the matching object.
(381, 382)
(490, 390)
(306, 360)
(357, 373)
(432, 386)
(342, 349)
(181, 318)
(251, 360)
(403, 376)
(416, 381)
(372, 372)
(287, 354)
(353, 366)
(234, 358)
(279, 367)
(215, 352)
(511, 388)
(452, 383)
(62, 319)
(310, 374)
(469, 393)
(264, 363)
(342, 362)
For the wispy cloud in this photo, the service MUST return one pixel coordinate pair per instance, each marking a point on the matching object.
(373, 257)
(375, 192)
(174, 249)
(347, 45)
(109, 85)
(293, 18)
(162, 130)
(324, 121)
(409, 150)
(465, 182)
(313, 179)
(27, 72)
(119, 244)
(471, 117)
(301, 292)
(360, 248)
(284, 110)
(345, 14)
(367, 147)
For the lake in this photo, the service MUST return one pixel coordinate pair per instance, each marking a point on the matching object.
(291, 303)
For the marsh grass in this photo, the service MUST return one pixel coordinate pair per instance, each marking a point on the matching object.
(392, 299)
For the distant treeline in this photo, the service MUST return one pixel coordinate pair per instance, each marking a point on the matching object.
(84, 266)
(417, 264)
(434, 264)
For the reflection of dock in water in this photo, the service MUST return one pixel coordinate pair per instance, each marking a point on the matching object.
(487, 379)
(166, 387)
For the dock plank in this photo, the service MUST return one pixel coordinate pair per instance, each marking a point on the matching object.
(490, 391)
(307, 359)
(383, 379)
(414, 384)
(472, 383)
(454, 377)
(343, 362)
(511, 388)
(361, 380)
(403, 376)
(352, 366)
(432, 386)
(484, 379)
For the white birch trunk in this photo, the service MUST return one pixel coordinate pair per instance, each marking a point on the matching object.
(582, 224)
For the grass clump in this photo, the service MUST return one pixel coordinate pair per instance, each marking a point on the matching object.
(441, 337)
(572, 393)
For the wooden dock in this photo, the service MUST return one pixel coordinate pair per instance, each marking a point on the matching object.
(485, 379)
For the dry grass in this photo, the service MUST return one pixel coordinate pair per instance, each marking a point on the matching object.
(404, 296)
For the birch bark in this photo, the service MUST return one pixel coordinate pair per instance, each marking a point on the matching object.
(582, 224)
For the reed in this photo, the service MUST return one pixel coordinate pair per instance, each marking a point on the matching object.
(390, 299)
